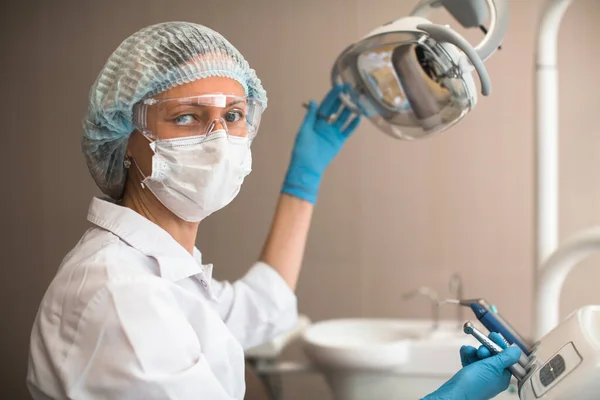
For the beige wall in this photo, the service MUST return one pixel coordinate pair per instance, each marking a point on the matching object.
(391, 216)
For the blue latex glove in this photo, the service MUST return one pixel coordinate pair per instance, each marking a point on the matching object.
(317, 144)
(482, 377)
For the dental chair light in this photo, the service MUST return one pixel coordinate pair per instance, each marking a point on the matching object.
(413, 78)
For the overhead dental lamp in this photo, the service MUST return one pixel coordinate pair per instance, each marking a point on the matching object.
(413, 78)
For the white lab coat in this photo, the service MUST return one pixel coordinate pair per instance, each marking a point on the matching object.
(132, 315)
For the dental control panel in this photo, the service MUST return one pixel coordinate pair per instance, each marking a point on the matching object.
(564, 364)
(554, 370)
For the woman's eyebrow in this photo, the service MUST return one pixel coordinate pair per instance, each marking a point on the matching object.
(237, 101)
(174, 107)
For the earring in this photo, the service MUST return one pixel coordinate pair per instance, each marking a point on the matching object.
(127, 163)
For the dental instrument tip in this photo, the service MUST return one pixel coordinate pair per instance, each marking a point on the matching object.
(449, 301)
(468, 327)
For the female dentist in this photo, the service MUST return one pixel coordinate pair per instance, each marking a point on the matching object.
(132, 312)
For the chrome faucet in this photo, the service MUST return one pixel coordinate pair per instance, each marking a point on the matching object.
(456, 290)
(434, 299)
(457, 294)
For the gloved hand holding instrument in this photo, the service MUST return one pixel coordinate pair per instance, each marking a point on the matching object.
(486, 371)
(483, 375)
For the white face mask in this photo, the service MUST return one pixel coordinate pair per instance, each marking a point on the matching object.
(196, 176)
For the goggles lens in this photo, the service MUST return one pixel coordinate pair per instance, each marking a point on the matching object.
(198, 116)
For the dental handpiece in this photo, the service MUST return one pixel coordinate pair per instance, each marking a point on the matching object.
(524, 361)
(494, 322)
(517, 370)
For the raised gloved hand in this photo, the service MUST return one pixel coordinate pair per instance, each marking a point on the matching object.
(317, 143)
(482, 377)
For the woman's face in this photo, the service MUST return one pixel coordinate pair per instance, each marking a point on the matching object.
(138, 147)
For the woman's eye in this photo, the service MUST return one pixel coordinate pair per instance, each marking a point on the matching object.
(234, 116)
(185, 119)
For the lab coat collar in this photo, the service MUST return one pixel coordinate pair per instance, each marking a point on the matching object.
(175, 263)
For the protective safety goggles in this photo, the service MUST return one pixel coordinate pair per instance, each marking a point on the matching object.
(198, 116)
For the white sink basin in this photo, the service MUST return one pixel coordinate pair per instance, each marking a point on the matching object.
(379, 344)
(373, 344)
(385, 358)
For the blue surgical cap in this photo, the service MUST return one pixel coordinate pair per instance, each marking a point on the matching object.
(151, 61)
